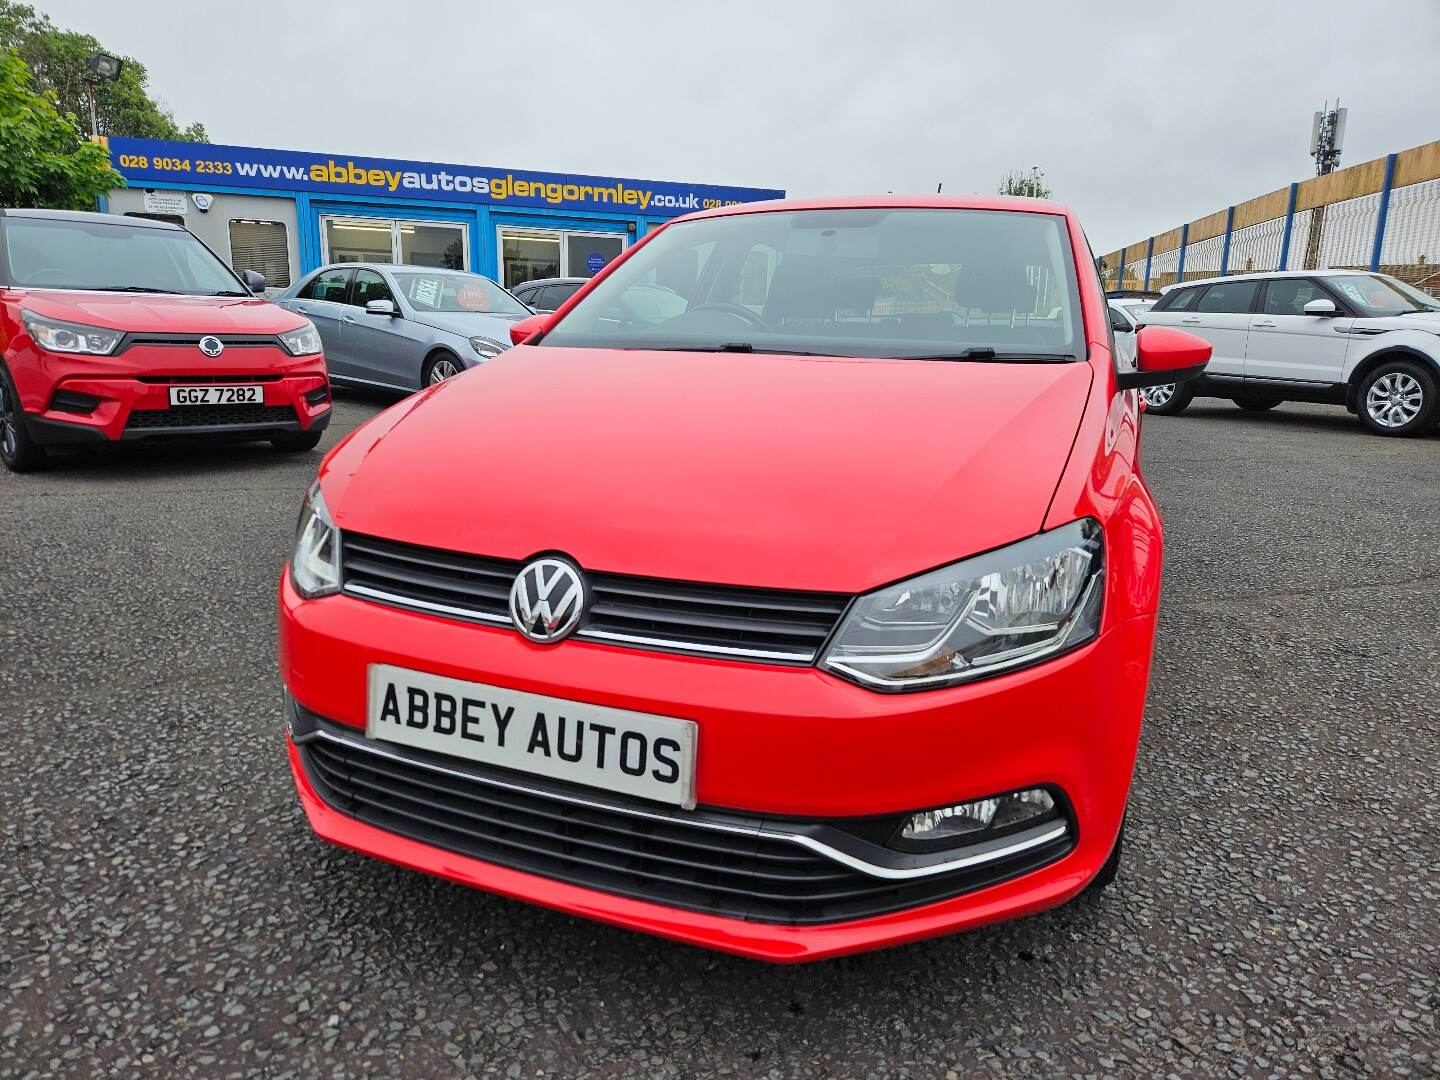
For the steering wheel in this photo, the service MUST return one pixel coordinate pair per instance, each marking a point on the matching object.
(742, 313)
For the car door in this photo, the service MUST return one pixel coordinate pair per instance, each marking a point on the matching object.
(322, 300)
(1285, 343)
(383, 348)
(1222, 317)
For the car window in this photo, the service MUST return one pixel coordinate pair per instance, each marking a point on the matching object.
(1228, 298)
(1378, 295)
(1179, 300)
(369, 286)
(1119, 320)
(865, 282)
(328, 285)
(1288, 296)
(558, 294)
(455, 293)
(539, 298)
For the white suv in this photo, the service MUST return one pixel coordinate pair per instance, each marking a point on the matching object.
(1341, 337)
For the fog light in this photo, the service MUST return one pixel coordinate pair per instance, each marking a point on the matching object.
(979, 820)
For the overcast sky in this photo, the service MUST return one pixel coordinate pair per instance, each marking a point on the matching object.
(1141, 117)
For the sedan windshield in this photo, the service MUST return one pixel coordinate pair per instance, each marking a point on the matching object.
(1376, 295)
(906, 283)
(456, 292)
(53, 253)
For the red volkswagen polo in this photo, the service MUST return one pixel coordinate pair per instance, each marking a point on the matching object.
(124, 329)
(808, 612)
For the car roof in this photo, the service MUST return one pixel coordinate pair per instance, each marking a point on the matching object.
(899, 202)
(1268, 274)
(406, 267)
(88, 215)
(533, 282)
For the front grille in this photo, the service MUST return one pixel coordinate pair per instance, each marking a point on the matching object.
(230, 341)
(771, 625)
(200, 417)
(502, 818)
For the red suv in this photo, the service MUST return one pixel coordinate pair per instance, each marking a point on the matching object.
(120, 328)
(812, 615)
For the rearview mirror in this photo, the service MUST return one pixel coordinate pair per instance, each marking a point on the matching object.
(253, 281)
(1321, 307)
(380, 307)
(1164, 355)
(534, 326)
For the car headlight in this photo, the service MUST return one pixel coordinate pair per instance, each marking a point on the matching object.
(52, 335)
(993, 613)
(485, 347)
(315, 566)
(302, 342)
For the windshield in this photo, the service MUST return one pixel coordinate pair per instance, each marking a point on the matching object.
(455, 293)
(52, 253)
(1376, 294)
(855, 282)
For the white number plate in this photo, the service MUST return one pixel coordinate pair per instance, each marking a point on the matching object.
(217, 395)
(633, 753)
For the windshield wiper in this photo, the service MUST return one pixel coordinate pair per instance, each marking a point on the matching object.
(987, 352)
(124, 288)
(736, 347)
(225, 292)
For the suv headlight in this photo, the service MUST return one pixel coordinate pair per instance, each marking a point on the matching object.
(486, 348)
(993, 613)
(302, 342)
(315, 566)
(52, 335)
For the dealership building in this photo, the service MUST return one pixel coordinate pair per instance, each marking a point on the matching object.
(282, 213)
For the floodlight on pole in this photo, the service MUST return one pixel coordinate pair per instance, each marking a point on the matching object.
(103, 68)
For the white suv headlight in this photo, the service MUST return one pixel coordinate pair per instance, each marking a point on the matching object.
(315, 566)
(979, 617)
(304, 341)
(52, 335)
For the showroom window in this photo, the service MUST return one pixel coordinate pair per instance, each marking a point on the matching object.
(529, 254)
(262, 246)
(440, 244)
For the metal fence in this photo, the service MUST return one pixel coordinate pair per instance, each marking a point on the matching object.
(1380, 215)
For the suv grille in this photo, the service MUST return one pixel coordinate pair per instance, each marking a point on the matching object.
(771, 625)
(200, 417)
(655, 856)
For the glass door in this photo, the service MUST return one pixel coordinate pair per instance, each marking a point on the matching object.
(392, 240)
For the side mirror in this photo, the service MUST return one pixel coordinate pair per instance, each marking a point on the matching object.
(1164, 355)
(1322, 306)
(534, 326)
(381, 307)
(253, 281)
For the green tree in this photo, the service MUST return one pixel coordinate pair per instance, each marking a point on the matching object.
(44, 159)
(57, 58)
(1030, 184)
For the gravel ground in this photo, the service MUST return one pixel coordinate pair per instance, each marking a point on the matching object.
(165, 911)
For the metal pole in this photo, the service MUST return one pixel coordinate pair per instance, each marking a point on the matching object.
(1289, 221)
(1384, 211)
(1184, 239)
(1149, 255)
(1225, 251)
(94, 123)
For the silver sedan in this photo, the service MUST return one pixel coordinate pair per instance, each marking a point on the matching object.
(403, 327)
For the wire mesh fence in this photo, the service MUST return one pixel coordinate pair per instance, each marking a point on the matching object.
(1380, 215)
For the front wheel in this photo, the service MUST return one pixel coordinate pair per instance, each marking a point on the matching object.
(17, 450)
(1400, 397)
(438, 368)
(1170, 399)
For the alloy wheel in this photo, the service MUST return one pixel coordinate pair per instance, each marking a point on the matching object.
(9, 437)
(1395, 399)
(442, 370)
(1157, 396)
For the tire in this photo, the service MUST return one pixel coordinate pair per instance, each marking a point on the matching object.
(297, 443)
(1172, 404)
(1111, 869)
(1400, 398)
(17, 450)
(437, 364)
(1251, 404)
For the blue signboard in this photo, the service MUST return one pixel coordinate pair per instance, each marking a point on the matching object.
(200, 165)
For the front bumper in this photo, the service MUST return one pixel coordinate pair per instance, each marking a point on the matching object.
(775, 743)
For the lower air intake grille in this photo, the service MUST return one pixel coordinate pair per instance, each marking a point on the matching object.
(498, 817)
(200, 417)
